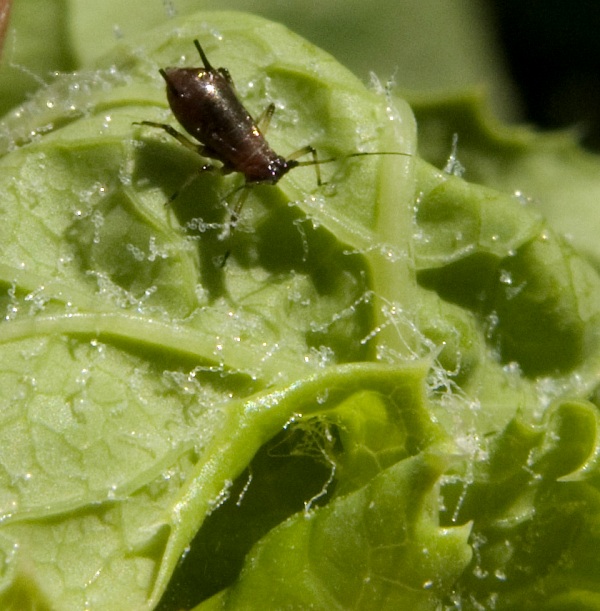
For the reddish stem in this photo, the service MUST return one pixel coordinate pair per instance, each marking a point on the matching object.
(4, 13)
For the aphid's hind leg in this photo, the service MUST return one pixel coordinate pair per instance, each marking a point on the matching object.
(190, 145)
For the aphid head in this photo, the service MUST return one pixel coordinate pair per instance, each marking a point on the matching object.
(278, 167)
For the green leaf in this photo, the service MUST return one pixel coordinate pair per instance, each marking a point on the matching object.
(395, 372)
(36, 45)
(488, 253)
(535, 509)
(549, 170)
(124, 342)
(397, 556)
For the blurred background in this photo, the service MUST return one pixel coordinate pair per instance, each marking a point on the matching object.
(538, 60)
(552, 51)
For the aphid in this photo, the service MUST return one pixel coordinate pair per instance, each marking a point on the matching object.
(204, 102)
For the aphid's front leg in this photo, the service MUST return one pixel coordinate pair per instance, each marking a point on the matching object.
(306, 150)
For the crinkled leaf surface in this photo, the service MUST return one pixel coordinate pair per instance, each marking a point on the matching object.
(550, 170)
(387, 398)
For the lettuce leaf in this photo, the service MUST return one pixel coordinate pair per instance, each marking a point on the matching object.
(387, 398)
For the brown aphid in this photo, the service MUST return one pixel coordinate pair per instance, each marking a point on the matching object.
(204, 102)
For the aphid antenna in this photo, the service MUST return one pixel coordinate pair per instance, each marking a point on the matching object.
(347, 156)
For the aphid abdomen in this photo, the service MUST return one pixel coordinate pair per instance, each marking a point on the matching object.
(207, 107)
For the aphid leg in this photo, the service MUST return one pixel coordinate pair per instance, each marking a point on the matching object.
(189, 144)
(234, 217)
(228, 230)
(305, 150)
(188, 181)
(227, 76)
(264, 120)
(263, 124)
